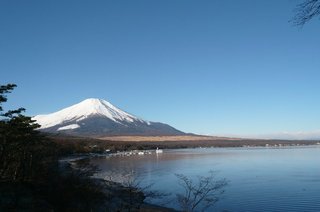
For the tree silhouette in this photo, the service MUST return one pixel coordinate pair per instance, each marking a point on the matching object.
(203, 193)
(22, 149)
(306, 11)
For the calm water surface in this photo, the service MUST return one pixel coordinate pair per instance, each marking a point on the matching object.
(260, 179)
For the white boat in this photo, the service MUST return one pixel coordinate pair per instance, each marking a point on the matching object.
(159, 150)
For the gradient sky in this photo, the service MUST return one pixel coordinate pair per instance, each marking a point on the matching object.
(213, 67)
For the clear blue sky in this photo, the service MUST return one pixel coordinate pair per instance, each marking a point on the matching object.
(202, 66)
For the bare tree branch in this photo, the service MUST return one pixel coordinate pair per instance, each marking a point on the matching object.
(204, 192)
(135, 192)
(306, 11)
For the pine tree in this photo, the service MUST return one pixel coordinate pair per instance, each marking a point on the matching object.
(20, 143)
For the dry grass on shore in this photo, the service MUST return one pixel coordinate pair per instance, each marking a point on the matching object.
(71, 145)
(165, 138)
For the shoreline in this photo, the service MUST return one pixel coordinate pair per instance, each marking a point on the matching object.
(127, 153)
(74, 145)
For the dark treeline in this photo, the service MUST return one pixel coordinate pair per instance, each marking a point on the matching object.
(74, 145)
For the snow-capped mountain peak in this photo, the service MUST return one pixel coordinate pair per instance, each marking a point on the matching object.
(96, 118)
(87, 108)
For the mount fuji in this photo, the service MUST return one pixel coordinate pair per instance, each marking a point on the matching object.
(97, 117)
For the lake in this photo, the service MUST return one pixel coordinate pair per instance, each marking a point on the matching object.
(259, 179)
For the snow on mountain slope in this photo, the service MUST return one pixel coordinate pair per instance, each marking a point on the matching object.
(83, 110)
(69, 127)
